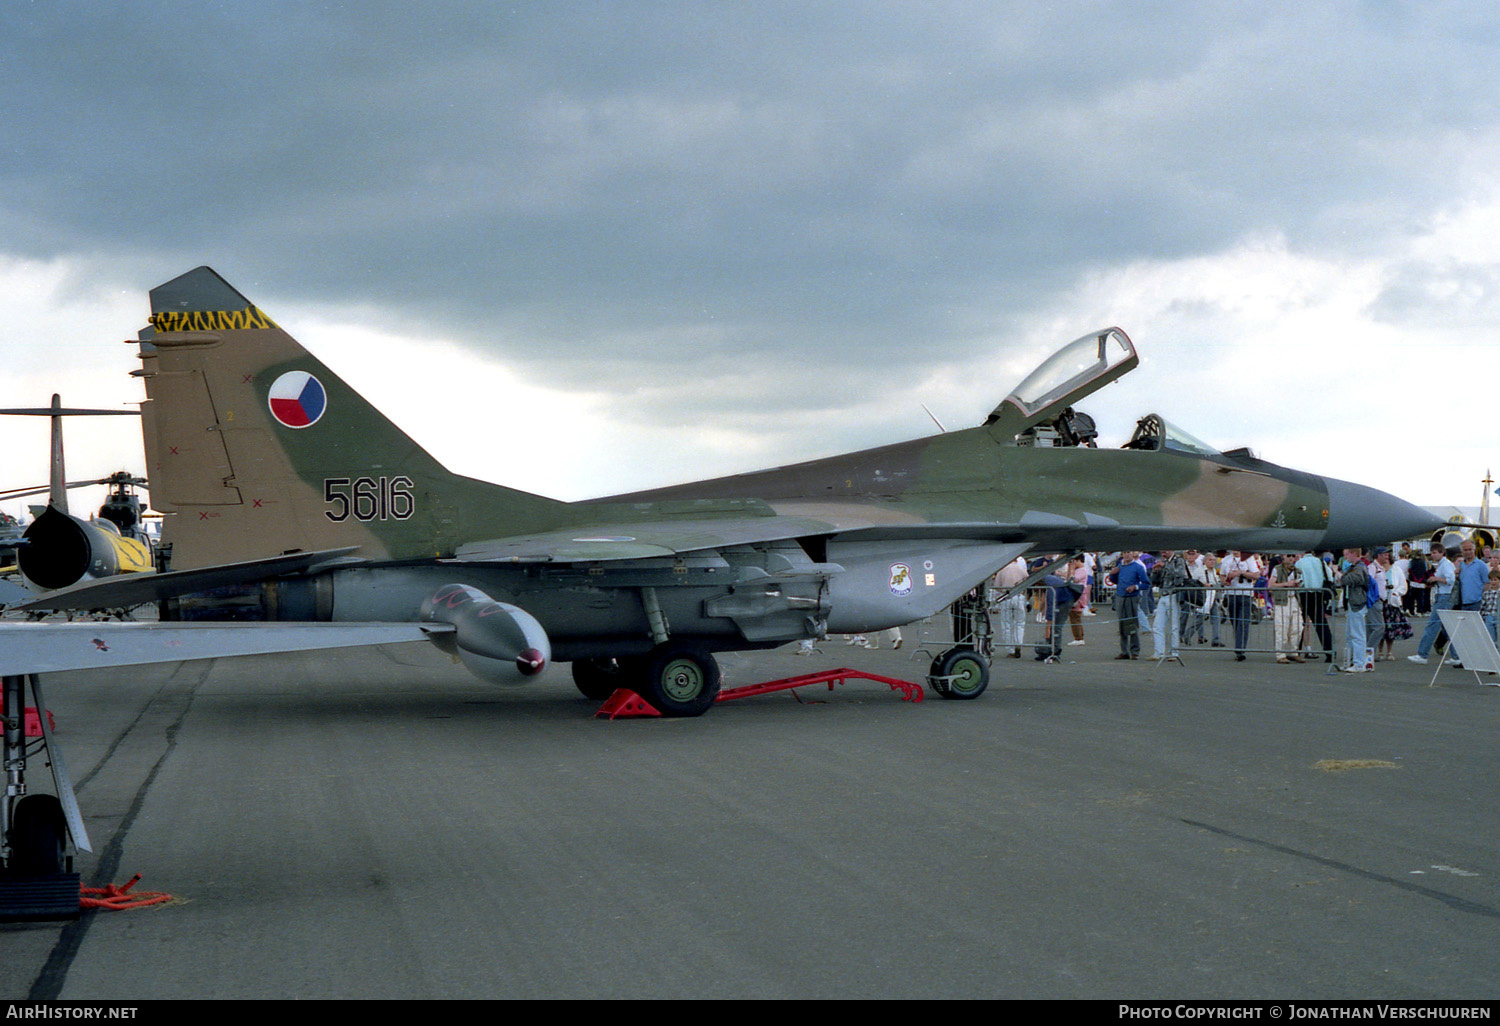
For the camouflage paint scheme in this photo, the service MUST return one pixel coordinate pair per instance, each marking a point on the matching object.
(368, 526)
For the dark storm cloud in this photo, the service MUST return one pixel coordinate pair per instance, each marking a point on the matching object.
(615, 186)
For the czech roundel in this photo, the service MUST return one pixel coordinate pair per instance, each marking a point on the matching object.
(297, 399)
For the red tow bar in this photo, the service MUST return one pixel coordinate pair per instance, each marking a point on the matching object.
(625, 704)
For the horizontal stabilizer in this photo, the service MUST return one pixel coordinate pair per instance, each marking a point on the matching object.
(123, 592)
(54, 647)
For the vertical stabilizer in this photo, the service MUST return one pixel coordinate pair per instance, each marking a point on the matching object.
(57, 488)
(256, 448)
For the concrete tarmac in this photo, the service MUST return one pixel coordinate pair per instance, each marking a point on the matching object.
(379, 824)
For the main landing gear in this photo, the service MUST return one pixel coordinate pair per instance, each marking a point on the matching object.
(678, 678)
(597, 679)
(37, 830)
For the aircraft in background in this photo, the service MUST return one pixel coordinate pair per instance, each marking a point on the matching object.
(1460, 524)
(57, 548)
(1458, 528)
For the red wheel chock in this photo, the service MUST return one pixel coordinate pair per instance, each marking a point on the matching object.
(625, 704)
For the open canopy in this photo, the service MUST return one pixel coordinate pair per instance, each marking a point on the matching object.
(1075, 371)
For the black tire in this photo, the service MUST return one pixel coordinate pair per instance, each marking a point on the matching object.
(960, 673)
(679, 679)
(597, 679)
(38, 837)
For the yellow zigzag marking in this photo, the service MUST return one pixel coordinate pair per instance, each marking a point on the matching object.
(211, 320)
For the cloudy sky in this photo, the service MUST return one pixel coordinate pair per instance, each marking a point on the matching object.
(582, 248)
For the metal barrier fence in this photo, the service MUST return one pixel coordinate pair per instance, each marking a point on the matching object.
(1206, 622)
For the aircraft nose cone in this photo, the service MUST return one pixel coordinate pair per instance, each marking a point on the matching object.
(1362, 516)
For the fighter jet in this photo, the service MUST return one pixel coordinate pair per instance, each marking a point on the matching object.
(290, 499)
(276, 476)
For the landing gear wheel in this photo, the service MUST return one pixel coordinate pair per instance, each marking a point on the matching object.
(679, 679)
(960, 673)
(597, 679)
(38, 837)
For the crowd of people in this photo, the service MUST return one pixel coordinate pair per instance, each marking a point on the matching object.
(1180, 598)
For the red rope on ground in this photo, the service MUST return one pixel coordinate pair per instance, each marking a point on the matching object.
(117, 898)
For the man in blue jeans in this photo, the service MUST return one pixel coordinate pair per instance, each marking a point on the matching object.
(1441, 586)
(1471, 576)
(1355, 581)
(1239, 573)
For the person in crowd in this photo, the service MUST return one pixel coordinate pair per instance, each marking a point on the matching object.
(1417, 573)
(1091, 564)
(1394, 626)
(1440, 585)
(1078, 578)
(1314, 602)
(1239, 573)
(1491, 601)
(1471, 577)
(1171, 574)
(1374, 624)
(1285, 611)
(1059, 597)
(1190, 601)
(1212, 608)
(1132, 591)
(1354, 582)
(1010, 602)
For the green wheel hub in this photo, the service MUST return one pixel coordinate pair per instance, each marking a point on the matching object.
(682, 679)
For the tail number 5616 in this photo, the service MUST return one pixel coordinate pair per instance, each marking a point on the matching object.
(368, 498)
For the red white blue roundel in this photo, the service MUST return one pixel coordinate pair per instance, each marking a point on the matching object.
(298, 399)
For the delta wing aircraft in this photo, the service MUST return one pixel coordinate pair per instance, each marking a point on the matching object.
(278, 477)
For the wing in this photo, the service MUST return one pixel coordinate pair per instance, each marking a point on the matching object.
(51, 647)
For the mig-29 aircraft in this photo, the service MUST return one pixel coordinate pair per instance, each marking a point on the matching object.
(276, 475)
(278, 479)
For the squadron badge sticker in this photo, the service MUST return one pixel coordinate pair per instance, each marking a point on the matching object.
(900, 579)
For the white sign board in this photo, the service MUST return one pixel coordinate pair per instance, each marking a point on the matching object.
(1470, 639)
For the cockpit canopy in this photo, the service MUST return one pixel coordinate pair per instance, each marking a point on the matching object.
(1152, 433)
(1040, 411)
(1075, 371)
